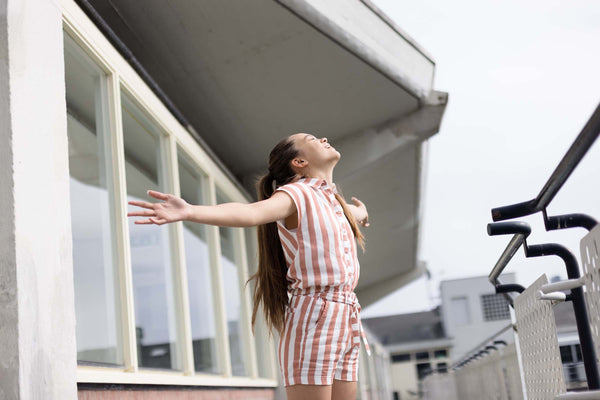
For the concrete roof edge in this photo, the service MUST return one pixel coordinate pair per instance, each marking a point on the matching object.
(323, 24)
(385, 18)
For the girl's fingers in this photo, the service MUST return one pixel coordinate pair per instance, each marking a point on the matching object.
(143, 213)
(143, 222)
(140, 203)
(356, 202)
(158, 195)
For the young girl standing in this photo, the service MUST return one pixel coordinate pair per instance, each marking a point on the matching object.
(308, 266)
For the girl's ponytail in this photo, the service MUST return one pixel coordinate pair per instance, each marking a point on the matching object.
(264, 187)
(271, 278)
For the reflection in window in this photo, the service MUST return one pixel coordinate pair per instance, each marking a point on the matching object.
(96, 295)
(150, 257)
(230, 268)
(440, 354)
(198, 274)
(261, 336)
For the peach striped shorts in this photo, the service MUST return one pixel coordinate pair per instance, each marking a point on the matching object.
(321, 339)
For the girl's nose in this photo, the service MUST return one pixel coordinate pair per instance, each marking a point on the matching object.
(324, 140)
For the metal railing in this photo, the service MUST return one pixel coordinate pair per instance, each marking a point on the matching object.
(491, 365)
(520, 232)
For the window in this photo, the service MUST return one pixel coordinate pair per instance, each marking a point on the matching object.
(459, 307)
(264, 342)
(566, 354)
(97, 305)
(423, 355)
(442, 367)
(423, 370)
(578, 356)
(440, 354)
(150, 251)
(197, 260)
(401, 357)
(230, 264)
(145, 296)
(495, 307)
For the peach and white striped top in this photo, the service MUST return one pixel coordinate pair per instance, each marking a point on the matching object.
(321, 252)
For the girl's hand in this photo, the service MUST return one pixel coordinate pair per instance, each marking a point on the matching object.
(361, 214)
(172, 210)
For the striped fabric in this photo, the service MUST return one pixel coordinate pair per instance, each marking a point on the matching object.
(321, 337)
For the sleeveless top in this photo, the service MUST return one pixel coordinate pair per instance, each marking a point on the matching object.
(321, 252)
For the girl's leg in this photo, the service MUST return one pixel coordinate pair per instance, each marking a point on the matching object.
(343, 390)
(312, 392)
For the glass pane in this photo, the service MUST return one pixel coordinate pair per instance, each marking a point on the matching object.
(442, 367)
(198, 274)
(401, 357)
(97, 307)
(233, 304)
(440, 354)
(423, 370)
(566, 354)
(261, 333)
(150, 256)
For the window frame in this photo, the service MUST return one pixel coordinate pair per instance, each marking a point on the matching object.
(120, 77)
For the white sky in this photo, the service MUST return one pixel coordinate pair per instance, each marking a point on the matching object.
(523, 77)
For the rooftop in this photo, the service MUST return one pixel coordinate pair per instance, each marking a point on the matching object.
(404, 328)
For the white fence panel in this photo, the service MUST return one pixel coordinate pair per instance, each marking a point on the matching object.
(590, 261)
(440, 386)
(536, 328)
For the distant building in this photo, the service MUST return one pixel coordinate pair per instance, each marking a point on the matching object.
(469, 314)
(417, 345)
(568, 342)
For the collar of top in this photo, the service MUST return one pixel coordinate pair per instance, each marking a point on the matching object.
(319, 183)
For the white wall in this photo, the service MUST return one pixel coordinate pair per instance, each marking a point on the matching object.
(37, 317)
(404, 378)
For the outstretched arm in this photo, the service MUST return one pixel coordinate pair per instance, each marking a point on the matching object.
(359, 210)
(173, 209)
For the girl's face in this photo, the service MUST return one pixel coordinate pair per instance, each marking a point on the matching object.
(317, 153)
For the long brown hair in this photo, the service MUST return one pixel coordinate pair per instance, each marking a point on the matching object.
(271, 281)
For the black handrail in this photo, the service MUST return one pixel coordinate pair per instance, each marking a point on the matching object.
(520, 230)
(571, 159)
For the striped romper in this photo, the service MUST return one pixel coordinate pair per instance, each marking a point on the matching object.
(321, 337)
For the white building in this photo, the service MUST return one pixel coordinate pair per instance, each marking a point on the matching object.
(472, 312)
(100, 101)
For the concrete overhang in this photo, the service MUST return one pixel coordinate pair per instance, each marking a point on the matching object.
(247, 73)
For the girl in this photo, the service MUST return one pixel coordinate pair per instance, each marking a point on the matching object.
(308, 266)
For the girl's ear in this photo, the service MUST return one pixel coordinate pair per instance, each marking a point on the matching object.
(299, 163)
